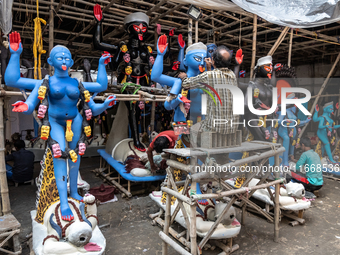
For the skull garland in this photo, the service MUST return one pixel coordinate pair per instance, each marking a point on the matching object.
(46, 127)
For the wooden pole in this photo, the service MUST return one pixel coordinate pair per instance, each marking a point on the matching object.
(196, 31)
(278, 41)
(253, 58)
(277, 200)
(167, 219)
(189, 32)
(213, 27)
(6, 207)
(290, 47)
(50, 33)
(320, 92)
(156, 38)
(153, 109)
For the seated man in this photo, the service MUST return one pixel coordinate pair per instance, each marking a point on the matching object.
(164, 140)
(23, 166)
(312, 180)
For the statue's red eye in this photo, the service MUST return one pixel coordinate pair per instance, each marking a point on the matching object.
(144, 29)
(136, 28)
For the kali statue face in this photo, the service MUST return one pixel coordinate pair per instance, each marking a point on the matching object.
(41, 111)
(210, 49)
(194, 60)
(82, 148)
(138, 30)
(60, 58)
(56, 150)
(265, 71)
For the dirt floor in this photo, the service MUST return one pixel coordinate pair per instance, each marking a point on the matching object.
(130, 231)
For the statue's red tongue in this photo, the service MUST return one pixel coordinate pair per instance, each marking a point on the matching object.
(140, 37)
(64, 67)
(201, 68)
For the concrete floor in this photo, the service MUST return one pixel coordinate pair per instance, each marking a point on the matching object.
(130, 231)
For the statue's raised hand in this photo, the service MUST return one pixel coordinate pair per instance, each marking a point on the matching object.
(162, 45)
(317, 108)
(181, 42)
(97, 11)
(15, 43)
(239, 57)
(20, 106)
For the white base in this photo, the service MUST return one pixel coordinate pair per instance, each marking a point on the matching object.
(40, 232)
(286, 202)
(221, 231)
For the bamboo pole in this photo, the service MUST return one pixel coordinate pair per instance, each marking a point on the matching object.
(167, 240)
(193, 234)
(152, 122)
(277, 200)
(290, 47)
(235, 191)
(278, 41)
(196, 31)
(253, 57)
(320, 92)
(189, 32)
(177, 195)
(50, 34)
(6, 207)
(218, 221)
(167, 219)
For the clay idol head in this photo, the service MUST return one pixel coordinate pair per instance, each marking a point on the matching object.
(137, 24)
(264, 67)
(60, 58)
(194, 57)
(329, 108)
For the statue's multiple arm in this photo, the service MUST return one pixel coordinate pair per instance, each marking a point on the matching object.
(101, 84)
(12, 74)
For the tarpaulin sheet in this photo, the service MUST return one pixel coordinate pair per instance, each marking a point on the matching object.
(294, 13)
(291, 13)
(6, 16)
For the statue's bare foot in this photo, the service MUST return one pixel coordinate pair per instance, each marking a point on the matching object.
(77, 196)
(66, 213)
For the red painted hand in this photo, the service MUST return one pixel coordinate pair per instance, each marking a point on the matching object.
(97, 11)
(20, 107)
(181, 42)
(317, 107)
(239, 57)
(162, 43)
(337, 105)
(15, 40)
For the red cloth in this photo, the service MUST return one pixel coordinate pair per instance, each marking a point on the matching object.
(170, 134)
(299, 178)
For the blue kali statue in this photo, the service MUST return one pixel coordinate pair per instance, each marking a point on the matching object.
(60, 94)
(326, 128)
(194, 63)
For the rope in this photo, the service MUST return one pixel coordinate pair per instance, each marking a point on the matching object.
(38, 44)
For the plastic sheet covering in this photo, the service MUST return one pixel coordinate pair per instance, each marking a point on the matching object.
(291, 13)
(6, 16)
(294, 13)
